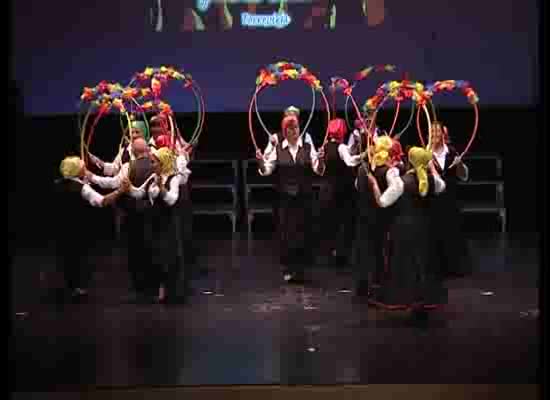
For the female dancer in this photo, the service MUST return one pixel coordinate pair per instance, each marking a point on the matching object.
(294, 160)
(412, 283)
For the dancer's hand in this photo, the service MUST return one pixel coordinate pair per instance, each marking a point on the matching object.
(97, 162)
(321, 153)
(125, 185)
(259, 155)
(274, 140)
(456, 162)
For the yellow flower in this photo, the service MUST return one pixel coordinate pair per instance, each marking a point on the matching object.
(148, 71)
(394, 85)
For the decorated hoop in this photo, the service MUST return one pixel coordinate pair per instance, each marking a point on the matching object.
(274, 74)
(447, 86)
(397, 91)
(362, 75)
(157, 78)
(102, 99)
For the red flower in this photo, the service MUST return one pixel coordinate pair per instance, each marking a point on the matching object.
(102, 87)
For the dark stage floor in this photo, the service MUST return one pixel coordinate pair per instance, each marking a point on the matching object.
(244, 326)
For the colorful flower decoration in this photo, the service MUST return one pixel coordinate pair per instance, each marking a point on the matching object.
(450, 85)
(151, 81)
(374, 68)
(157, 78)
(107, 95)
(282, 71)
(398, 91)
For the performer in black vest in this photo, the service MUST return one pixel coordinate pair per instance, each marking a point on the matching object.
(375, 221)
(294, 161)
(164, 193)
(451, 247)
(138, 219)
(75, 214)
(412, 283)
(337, 194)
(160, 137)
(274, 140)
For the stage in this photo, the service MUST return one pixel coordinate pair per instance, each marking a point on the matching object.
(243, 325)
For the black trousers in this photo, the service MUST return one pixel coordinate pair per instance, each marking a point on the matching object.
(138, 231)
(295, 220)
(337, 210)
(74, 264)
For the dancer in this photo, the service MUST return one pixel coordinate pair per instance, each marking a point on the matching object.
(412, 283)
(375, 222)
(167, 251)
(451, 247)
(294, 160)
(71, 190)
(138, 217)
(337, 194)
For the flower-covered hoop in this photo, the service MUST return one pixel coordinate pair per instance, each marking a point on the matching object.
(102, 99)
(397, 91)
(362, 75)
(155, 79)
(447, 86)
(272, 75)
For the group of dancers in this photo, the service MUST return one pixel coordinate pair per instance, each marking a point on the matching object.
(148, 184)
(399, 212)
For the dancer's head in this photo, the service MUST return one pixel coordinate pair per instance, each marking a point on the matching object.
(337, 129)
(163, 140)
(419, 158)
(139, 147)
(164, 161)
(159, 125)
(438, 134)
(396, 152)
(72, 167)
(290, 128)
(382, 149)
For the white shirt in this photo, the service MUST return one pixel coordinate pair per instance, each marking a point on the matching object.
(115, 181)
(111, 169)
(169, 197)
(441, 156)
(270, 159)
(396, 187)
(347, 158)
(89, 194)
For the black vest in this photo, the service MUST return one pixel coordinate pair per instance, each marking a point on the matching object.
(411, 204)
(138, 172)
(449, 175)
(125, 157)
(336, 169)
(294, 177)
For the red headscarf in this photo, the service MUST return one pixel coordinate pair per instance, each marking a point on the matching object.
(289, 120)
(337, 129)
(396, 152)
(163, 141)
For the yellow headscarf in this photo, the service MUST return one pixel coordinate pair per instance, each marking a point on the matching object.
(70, 167)
(167, 159)
(382, 147)
(419, 159)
